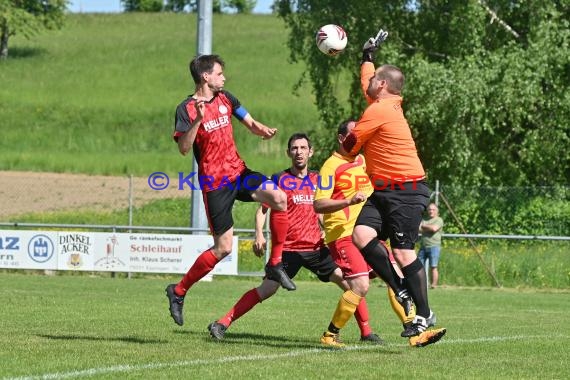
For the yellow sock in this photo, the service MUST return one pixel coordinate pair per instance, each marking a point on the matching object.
(345, 308)
(398, 309)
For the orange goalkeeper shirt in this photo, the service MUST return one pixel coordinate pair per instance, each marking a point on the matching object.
(385, 137)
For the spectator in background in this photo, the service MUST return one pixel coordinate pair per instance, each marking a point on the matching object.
(430, 244)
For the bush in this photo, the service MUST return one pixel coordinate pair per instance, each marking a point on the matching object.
(142, 5)
(508, 210)
(536, 264)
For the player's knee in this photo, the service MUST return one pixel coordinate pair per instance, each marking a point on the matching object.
(405, 257)
(332, 277)
(335, 277)
(267, 289)
(360, 285)
(222, 250)
(359, 239)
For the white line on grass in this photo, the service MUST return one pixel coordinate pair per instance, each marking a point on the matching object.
(244, 358)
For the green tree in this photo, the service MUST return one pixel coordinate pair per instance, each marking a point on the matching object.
(486, 81)
(241, 6)
(28, 18)
(180, 5)
(142, 5)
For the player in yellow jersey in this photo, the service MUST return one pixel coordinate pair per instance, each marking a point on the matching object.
(344, 186)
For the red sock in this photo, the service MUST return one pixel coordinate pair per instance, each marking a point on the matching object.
(245, 304)
(361, 315)
(201, 267)
(279, 224)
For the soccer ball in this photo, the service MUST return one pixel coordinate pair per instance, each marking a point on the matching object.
(331, 39)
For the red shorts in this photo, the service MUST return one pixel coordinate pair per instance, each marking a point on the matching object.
(348, 258)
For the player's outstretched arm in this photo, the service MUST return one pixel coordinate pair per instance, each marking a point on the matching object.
(258, 128)
(327, 206)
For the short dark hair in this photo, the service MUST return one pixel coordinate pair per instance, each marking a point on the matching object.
(394, 77)
(203, 64)
(343, 127)
(298, 136)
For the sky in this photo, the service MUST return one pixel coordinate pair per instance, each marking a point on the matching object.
(86, 6)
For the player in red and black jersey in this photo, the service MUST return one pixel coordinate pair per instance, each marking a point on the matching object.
(304, 245)
(203, 124)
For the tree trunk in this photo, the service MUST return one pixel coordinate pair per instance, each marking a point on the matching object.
(4, 42)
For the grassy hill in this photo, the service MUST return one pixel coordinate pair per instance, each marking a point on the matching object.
(99, 96)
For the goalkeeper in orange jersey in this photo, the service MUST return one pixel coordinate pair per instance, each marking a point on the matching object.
(400, 193)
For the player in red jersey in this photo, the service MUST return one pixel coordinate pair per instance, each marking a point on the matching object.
(203, 124)
(304, 245)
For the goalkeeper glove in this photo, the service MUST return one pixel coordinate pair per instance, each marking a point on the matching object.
(371, 45)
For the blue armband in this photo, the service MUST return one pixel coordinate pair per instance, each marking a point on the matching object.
(240, 113)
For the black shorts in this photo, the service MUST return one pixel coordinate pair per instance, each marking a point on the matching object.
(396, 213)
(319, 262)
(219, 202)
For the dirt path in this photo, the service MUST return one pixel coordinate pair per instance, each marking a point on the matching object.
(25, 192)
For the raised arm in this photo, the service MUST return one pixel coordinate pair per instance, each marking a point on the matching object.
(185, 130)
(186, 141)
(367, 62)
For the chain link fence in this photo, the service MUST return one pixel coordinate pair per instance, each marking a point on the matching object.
(128, 200)
(539, 210)
(25, 196)
(486, 225)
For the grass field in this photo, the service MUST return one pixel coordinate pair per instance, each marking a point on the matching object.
(65, 327)
(98, 98)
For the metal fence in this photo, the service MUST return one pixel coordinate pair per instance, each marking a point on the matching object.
(26, 197)
(472, 215)
(538, 210)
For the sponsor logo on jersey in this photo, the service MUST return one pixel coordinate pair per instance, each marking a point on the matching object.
(220, 122)
(303, 199)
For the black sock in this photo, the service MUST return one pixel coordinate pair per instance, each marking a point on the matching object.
(333, 329)
(377, 257)
(417, 286)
